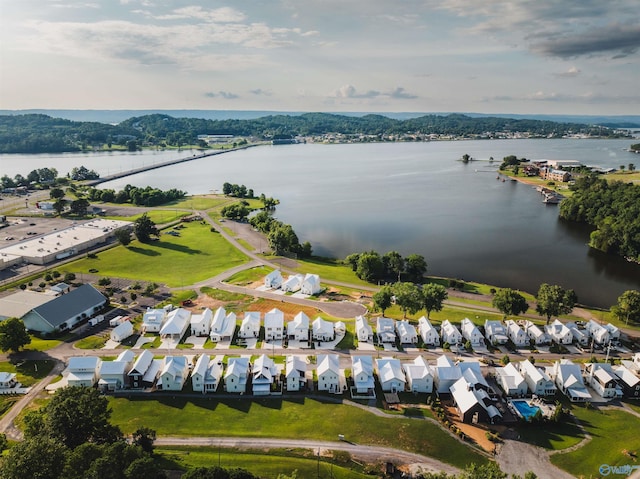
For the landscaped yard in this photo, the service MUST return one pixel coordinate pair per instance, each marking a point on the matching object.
(302, 418)
(329, 268)
(195, 255)
(91, 342)
(28, 373)
(39, 344)
(158, 216)
(249, 276)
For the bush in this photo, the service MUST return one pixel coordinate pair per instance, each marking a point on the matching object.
(48, 277)
(42, 285)
(23, 286)
(56, 274)
(446, 346)
(69, 277)
(505, 359)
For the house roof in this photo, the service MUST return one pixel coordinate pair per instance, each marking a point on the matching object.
(174, 365)
(328, 362)
(274, 318)
(177, 321)
(154, 316)
(201, 365)
(321, 326)
(295, 365)
(510, 376)
(390, 369)
(449, 329)
(533, 372)
(60, 309)
(404, 328)
(123, 328)
(237, 367)
(84, 362)
(361, 324)
(152, 372)
(113, 367)
(424, 325)
(626, 376)
(300, 321)
(126, 356)
(143, 362)
(205, 317)
(251, 319)
(467, 327)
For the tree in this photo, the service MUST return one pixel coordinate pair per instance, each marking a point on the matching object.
(415, 267)
(433, 297)
(144, 437)
(383, 298)
(370, 267)
(408, 297)
(13, 335)
(352, 260)
(59, 205)
(631, 167)
(79, 207)
(144, 468)
(144, 228)
(553, 300)
(69, 277)
(56, 193)
(123, 235)
(306, 250)
(394, 263)
(490, 470)
(628, 307)
(36, 458)
(510, 302)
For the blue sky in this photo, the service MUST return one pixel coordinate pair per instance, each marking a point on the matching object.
(489, 56)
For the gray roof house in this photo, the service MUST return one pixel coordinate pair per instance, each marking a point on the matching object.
(65, 311)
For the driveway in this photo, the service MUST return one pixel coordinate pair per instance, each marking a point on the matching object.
(516, 457)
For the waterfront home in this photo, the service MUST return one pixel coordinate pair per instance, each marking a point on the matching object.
(153, 319)
(445, 374)
(298, 328)
(428, 332)
(139, 369)
(362, 375)
(568, 379)
(614, 331)
(177, 324)
(264, 375)
(223, 325)
(273, 280)
(599, 333)
(274, 325)
(559, 333)
(295, 373)
(602, 379)
(511, 381)
(121, 332)
(629, 382)
(471, 333)
(236, 375)
(292, 284)
(174, 373)
(406, 331)
(495, 332)
(112, 375)
(450, 334)
(364, 332)
(322, 330)
(537, 380)
(329, 373)
(201, 323)
(385, 330)
(83, 371)
(250, 326)
(419, 376)
(516, 334)
(472, 400)
(581, 336)
(206, 374)
(310, 284)
(536, 334)
(390, 375)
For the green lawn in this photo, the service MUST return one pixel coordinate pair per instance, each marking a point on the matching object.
(195, 255)
(28, 373)
(330, 269)
(249, 276)
(200, 202)
(91, 342)
(39, 344)
(302, 418)
(157, 216)
(552, 436)
(615, 441)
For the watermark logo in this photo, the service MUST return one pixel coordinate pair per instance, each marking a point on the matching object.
(625, 470)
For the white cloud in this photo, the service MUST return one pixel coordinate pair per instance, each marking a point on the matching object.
(571, 72)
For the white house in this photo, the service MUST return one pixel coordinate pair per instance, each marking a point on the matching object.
(340, 328)
(516, 334)
(295, 373)
(250, 326)
(614, 331)
(538, 382)
(322, 330)
(274, 325)
(536, 334)
(139, 369)
(112, 375)
(121, 332)
(201, 323)
(473, 402)
(223, 325)
(236, 375)
(559, 333)
(385, 329)
(153, 319)
(599, 333)
(495, 332)
(602, 379)
(7, 380)
(419, 376)
(390, 375)
(292, 284)
(450, 334)
(406, 331)
(445, 374)
(264, 374)
(581, 336)
(471, 333)
(298, 328)
(362, 374)
(310, 284)
(364, 332)
(629, 382)
(83, 371)
(273, 280)
(511, 381)
(428, 332)
(329, 373)
(206, 374)
(177, 324)
(568, 379)
(174, 373)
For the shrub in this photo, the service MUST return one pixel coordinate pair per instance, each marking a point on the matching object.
(48, 277)
(42, 285)
(56, 274)
(69, 277)
(23, 286)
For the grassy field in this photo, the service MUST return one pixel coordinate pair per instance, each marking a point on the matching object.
(157, 216)
(303, 418)
(91, 342)
(329, 268)
(28, 373)
(553, 436)
(39, 344)
(195, 255)
(200, 202)
(249, 276)
(615, 441)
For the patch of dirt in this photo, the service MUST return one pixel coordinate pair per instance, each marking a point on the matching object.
(474, 431)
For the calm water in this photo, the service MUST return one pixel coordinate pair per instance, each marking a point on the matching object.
(416, 198)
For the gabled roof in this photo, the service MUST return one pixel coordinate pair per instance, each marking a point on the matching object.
(626, 376)
(201, 365)
(295, 366)
(390, 369)
(154, 316)
(404, 328)
(536, 374)
(113, 367)
(300, 321)
(69, 305)
(322, 326)
(127, 356)
(177, 321)
(273, 318)
(251, 319)
(328, 362)
(174, 365)
(237, 367)
(205, 317)
(83, 362)
(143, 362)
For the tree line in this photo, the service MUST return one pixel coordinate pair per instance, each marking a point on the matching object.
(147, 196)
(371, 266)
(281, 236)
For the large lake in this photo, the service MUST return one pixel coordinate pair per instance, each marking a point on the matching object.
(409, 197)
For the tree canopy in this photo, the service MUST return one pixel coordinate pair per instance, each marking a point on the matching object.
(408, 297)
(433, 297)
(144, 228)
(383, 298)
(553, 300)
(13, 335)
(510, 302)
(628, 307)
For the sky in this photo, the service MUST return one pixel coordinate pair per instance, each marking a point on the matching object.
(486, 56)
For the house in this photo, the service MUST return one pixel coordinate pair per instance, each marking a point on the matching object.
(568, 379)
(223, 325)
(536, 334)
(473, 401)
(322, 330)
(274, 325)
(206, 374)
(139, 369)
(340, 328)
(264, 375)
(419, 376)
(511, 381)
(559, 333)
(599, 333)
(292, 284)
(273, 280)
(236, 375)
(66, 311)
(406, 331)
(450, 334)
(390, 375)
(629, 382)
(298, 328)
(177, 324)
(8, 380)
(445, 374)
(250, 326)
(174, 373)
(295, 373)
(614, 331)
(153, 319)
(364, 332)
(310, 284)
(113, 375)
(495, 332)
(581, 336)
(471, 333)
(151, 376)
(428, 332)
(328, 372)
(121, 332)
(538, 382)
(201, 323)
(362, 375)
(516, 334)
(83, 371)
(385, 329)
(602, 379)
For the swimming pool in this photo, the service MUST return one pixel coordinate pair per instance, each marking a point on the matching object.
(525, 409)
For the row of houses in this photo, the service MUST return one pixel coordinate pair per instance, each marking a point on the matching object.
(308, 284)
(570, 332)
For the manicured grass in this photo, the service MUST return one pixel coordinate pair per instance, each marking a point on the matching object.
(179, 296)
(249, 276)
(200, 202)
(615, 441)
(330, 269)
(39, 344)
(28, 372)
(349, 340)
(303, 418)
(91, 342)
(635, 405)
(157, 216)
(176, 261)
(552, 436)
